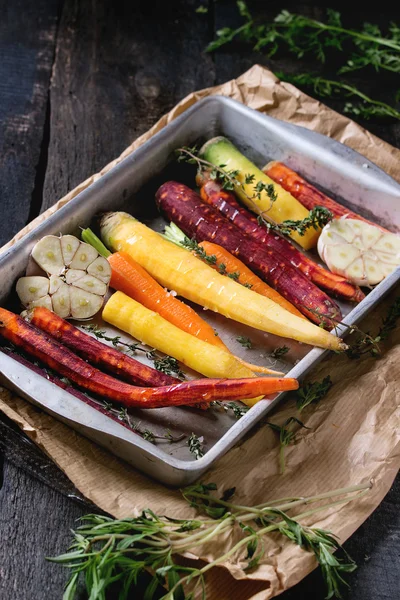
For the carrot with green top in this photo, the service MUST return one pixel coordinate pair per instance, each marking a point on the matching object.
(59, 358)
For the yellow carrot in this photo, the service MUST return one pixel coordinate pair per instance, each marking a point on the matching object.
(179, 270)
(129, 277)
(150, 328)
(220, 151)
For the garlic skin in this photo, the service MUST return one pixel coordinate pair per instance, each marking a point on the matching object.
(77, 281)
(361, 252)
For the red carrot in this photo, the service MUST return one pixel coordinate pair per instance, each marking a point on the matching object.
(212, 193)
(115, 362)
(306, 193)
(57, 357)
(184, 207)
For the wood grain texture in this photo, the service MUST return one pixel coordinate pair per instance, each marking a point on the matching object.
(27, 43)
(118, 67)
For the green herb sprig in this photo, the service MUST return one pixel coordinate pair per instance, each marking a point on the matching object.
(164, 364)
(328, 88)
(313, 392)
(279, 352)
(105, 550)
(123, 415)
(196, 446)
(306, 37)
(245, 341)
(317, 217)
(368, 344)
(286, 437)
(238, 410)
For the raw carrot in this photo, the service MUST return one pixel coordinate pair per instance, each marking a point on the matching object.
(115, 362)
(203, 222)
(212, 192)
(179, 270)
(153, 330)
(134, 281)
(56, 356)
(306, 193)
(245, 275)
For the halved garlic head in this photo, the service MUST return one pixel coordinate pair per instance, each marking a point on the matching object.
(361, 252)
(78, 278)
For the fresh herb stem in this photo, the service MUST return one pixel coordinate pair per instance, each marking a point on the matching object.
(165, 364)
(195, 446)
(304, 36)
(317, 217)
(105, 549)
(313, 392)
(286, 437)
(328, 87)
(89, 237)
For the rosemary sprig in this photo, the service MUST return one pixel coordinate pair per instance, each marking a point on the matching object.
(279, 352)
(313, 392)
(165, 364)
(286, 437)
(245, 341)
(195, 446)
(105, 550)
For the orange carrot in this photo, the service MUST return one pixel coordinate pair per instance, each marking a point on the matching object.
(59, 358)
(229, 264)
(129, 277)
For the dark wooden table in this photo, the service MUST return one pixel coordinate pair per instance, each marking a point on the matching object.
(78, 82)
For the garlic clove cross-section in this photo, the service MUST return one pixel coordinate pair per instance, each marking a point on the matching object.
(359, 251)
(77, 281)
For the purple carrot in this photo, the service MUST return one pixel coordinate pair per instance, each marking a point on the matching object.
(202, 222)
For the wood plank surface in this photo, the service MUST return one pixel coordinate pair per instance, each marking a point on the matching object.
(27, 46)
(116, 68)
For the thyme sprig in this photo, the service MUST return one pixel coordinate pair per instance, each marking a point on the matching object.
(245, 341)
(279, 352)
(312, 392)
(238, 410)
(123, 415)
(105, 550)
(365, 343)
(164, 364)
(196, 446)
(286, 437)
(317, 217)
(368, 344)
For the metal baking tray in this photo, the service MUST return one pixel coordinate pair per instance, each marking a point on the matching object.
(343, 173)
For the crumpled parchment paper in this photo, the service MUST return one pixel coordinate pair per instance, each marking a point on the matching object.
(353, 434)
